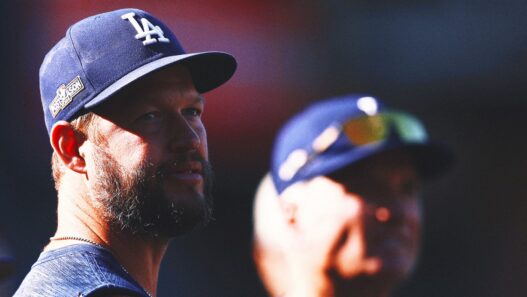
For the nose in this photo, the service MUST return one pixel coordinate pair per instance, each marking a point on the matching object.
(183, 136)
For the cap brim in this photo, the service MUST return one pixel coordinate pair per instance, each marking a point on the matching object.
(208, 70)
(431, 159)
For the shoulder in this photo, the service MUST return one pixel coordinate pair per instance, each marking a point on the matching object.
(115, 293)
(111, 295)
(80, 270)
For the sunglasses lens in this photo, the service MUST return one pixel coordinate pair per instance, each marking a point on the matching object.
(372, 129)
(408, 127)
(366, 130)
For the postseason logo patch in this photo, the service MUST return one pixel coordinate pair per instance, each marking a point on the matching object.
(65, 94)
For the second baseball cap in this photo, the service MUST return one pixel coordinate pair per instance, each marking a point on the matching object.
(338, 132)
(104, 53)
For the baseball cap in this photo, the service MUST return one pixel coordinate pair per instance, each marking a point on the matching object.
(332, 134)
(104, 53)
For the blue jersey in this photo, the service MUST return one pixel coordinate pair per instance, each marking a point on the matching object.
(78, 270)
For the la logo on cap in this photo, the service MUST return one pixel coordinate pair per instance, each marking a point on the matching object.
(147, 31)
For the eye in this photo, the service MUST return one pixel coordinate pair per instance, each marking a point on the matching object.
(149, 122)
(193, 112)
(150, 117)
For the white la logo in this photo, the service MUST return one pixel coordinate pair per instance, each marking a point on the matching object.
(146, 31)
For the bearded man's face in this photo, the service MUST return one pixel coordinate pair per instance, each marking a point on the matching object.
(134, 200)
(147, 158)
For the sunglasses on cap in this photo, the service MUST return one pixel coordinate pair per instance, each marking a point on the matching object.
(362, 131)
(372, 129)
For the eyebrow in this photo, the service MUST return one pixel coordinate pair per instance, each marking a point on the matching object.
(199, 99)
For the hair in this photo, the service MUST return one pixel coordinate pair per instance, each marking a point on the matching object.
(83, 127)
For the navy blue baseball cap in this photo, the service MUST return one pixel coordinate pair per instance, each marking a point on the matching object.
(104, 53)
(332, 134)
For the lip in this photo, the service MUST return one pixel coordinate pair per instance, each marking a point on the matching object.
(189, 172)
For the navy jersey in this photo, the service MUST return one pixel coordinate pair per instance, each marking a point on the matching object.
(78, 270)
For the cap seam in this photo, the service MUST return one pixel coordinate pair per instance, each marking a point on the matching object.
(78, 58)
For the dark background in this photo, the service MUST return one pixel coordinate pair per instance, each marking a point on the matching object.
(459, 65)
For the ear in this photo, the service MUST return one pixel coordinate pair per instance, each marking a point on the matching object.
(66, 143)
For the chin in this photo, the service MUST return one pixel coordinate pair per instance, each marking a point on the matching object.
(186, 205)
(180, 218)
(187, 209)
(187, 196)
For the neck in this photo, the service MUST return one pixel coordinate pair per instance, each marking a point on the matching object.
(140, 256)
(144, 268)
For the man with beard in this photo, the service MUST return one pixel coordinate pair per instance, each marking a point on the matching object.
(339, 214)
(122, 104)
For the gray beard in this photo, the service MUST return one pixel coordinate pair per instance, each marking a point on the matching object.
(133, 200)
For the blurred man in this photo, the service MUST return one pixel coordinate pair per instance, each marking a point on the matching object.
(339, 214)
(122, 103)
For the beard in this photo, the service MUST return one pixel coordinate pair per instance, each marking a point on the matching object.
(134, 200)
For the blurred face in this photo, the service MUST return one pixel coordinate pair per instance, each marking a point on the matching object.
(147, 167)
(363, 220)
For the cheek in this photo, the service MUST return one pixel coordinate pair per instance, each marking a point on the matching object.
(131, 152)
(414, 217)
(413, 225)
(204, 148)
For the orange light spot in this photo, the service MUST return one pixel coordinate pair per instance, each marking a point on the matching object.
(382, 214)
